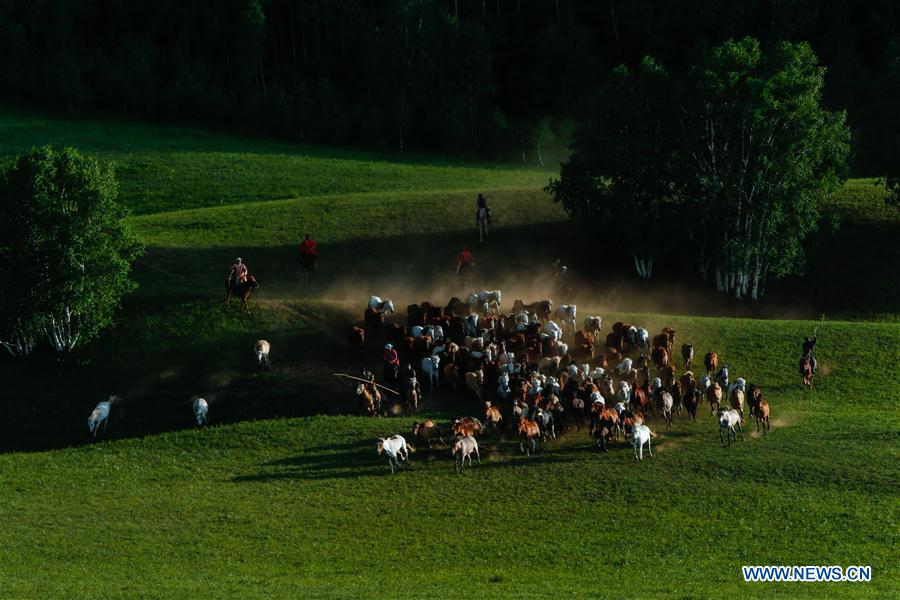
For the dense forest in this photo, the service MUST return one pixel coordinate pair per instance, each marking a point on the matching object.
(496, 78)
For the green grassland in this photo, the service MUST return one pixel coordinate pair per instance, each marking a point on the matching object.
(168, 168)
(294, 507)
(272, 501)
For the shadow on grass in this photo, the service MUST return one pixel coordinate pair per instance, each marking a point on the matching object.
(360, 460)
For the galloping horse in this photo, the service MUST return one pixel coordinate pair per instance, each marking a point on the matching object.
(807, 371)
(241, 289)
(481, 220)
(370, 400)
(309, 263)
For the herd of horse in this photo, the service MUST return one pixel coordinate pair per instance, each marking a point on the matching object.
(536, 372)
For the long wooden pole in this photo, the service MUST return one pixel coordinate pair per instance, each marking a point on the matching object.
(396, 393)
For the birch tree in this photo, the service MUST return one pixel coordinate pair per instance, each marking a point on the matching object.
(760, 154)
(65, 250)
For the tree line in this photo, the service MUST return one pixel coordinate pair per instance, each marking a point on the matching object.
(729, 160)
(499, 78)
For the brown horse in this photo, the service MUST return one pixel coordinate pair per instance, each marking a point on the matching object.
(807, 371)
(241, 289)
(762, 416)
(357, 339)
(714, 397)
(369, 399)
(466, 426)
(529, 435)
(640, 399)
(660, 357)
(711, 362)
(412, 399)
(687, 353)
(492, 418)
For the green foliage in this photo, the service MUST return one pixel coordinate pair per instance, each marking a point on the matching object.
(620, 174)
(421, 74)
(890, 119)
(761, 154)
(66, 249)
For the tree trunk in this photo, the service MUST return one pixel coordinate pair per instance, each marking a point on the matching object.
(293, 35)
(19, 344)
(262, 79)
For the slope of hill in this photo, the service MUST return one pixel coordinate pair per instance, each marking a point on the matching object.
(293, 506)
(273, 502)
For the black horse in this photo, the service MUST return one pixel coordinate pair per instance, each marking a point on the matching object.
(309, 264)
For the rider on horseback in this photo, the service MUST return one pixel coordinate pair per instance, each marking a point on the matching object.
(409, 380)
(463, 261)
(808, 345)
(308, 249)
(238, 273)
(482, 203)
(390, 356)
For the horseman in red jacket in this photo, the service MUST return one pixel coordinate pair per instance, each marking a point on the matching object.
(463, 261)
(390, 356)
(308, 248)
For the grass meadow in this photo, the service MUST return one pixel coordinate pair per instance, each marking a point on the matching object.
(284, 495)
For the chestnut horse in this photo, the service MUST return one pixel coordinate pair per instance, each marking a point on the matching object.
(711, 362)
(807, 371)
(242, 291)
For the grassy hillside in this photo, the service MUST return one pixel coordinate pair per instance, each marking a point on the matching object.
(304, 506)
(340, 218)
(272, 502)
(171, 168)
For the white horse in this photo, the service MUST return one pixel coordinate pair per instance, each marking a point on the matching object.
(396, 449)
(380, 306)
(728, 421)
(566, 315)
(100, 415)
(431, 369)
(597, 373)
(463, 449)
(666, 401)
(472, 325)
(522, 321)
(485, 301)
(261, 350)
(503, 390)
(624, 367)
(739, 384)
(705, 383)
(624, 393)
(593, 324)
(553, 330)
(642, 339)
(722, 377)
(201, 409)
(435, 332)
(642, 435)
(481, 221)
